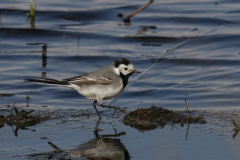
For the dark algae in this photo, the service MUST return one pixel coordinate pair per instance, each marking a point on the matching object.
(157, 117)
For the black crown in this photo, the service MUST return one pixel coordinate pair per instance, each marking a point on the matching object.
(119, 61)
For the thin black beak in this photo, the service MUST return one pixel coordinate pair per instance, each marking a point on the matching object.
(135, 71)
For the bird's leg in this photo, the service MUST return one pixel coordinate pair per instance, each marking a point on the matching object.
(94, 104)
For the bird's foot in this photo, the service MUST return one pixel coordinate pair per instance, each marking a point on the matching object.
(115, 108)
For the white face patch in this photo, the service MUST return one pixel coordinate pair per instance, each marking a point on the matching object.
(116, 70)
(126, 69)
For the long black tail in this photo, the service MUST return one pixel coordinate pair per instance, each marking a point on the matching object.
(46, 81)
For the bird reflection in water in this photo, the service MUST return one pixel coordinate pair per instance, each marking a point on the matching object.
(101, 147)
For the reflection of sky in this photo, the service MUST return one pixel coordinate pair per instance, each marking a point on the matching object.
(203, 142)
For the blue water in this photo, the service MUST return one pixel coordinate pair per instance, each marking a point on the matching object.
(87, 35)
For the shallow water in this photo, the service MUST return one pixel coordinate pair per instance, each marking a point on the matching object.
(202, 66)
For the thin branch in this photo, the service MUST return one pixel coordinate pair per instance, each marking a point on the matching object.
(235, 124)
(127, 19)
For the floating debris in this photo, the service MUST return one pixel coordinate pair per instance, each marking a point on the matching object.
(154, 117)
(120, 15)
(21, 119)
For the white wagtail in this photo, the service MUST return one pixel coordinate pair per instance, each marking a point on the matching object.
(105, 83)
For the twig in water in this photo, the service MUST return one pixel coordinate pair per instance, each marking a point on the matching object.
(187, 131)
(235, 133)
(235, 124)
(44, 50)
(187, 107)
(127, 19)
(236, 129)
(13, 106)
(44, 55)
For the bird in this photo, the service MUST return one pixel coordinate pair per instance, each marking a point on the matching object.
(104, 83)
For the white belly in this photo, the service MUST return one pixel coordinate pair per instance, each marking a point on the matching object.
(98, 92)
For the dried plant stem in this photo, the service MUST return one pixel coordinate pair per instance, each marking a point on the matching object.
(187, 107)
(137, 11)
(13, 106)
(187, 131)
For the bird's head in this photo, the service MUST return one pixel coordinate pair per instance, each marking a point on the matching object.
(124, 66)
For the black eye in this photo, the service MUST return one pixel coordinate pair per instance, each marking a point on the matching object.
(125, 68)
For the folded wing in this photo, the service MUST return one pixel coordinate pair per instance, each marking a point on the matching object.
(88, 79)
